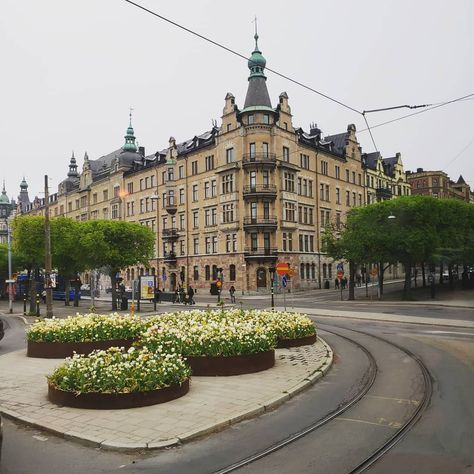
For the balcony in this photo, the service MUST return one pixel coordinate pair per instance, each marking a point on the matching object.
(260, 190)
(170, 258)
(261, 253)
(383, 193)
(170, 205)
(170, 234)
(260, 159)
(259, 223)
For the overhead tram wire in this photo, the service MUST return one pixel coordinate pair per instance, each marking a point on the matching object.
(229, 50)
(311, 89)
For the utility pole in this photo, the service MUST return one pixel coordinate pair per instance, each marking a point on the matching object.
(47, 251)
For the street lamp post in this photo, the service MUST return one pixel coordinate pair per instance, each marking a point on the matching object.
(272, 273)
(10, 282)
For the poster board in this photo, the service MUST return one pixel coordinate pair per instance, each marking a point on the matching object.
(147, 287)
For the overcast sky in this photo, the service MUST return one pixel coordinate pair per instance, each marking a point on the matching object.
(71, 70)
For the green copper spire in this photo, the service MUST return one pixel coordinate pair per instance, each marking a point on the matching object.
(256, 62)
(130, 138)
(4, 198)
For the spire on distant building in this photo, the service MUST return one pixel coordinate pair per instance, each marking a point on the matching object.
(72, 167)
(130, 137)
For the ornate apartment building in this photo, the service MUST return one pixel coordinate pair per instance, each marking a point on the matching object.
(438, 184)
(385, 177)
(248, 193)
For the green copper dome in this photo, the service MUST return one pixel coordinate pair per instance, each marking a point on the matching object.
(4, 198)
(256, 62)
(130, 138)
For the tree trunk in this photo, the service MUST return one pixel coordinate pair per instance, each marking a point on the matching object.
(407, 286)
(114, 290)
(423, 274)
(381, 278)
(352, 271)
(67, 289)
(451, 279)
(441, 273)
(33, 291)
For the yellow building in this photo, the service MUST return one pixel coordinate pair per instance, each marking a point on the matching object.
(253, 191)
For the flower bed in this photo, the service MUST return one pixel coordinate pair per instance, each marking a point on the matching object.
(116, 378)
(213, 343)
(59, 338)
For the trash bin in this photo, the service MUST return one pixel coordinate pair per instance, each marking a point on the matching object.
(326, 284)
(214, 290)
(124, 303)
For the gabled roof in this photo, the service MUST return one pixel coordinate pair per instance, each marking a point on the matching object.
(195, 143)
(370, 159)
(461, 180)
(389, 165)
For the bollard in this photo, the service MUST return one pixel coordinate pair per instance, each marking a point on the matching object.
(24, 304)
(37, 304)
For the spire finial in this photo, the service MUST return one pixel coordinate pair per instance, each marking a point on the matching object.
(130, 115)
(256, 33)
(4, 190)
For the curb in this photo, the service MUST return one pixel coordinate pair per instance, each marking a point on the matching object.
(218, 425)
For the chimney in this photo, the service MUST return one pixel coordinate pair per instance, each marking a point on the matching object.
(419, 170)
(141, 150)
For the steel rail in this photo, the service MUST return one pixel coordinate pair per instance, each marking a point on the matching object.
(371, 372)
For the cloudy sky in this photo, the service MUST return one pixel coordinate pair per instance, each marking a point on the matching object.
(71, 70)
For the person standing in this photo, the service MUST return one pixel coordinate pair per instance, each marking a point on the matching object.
(232, 294)
(336, 284)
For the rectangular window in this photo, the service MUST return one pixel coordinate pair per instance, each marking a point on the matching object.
(141, 185)
(196, 245)
(207, 217)
(310, 188)
(326, 193)
(209, 162)
(347, 175)
(214, 244)
(207, 187)
(181, 196)
(214, 216)
(300, 241)
(213, 188)
(304, 161)
(142, 206)
(181, 247)
(251, 119)
(353, 177)
(194, 167)
(227, 183)
(229, 155)
(146, 182)
(130, 188)
(324, 168)
(266, 119)
(290, 212)
(94, 198)
(254, 241)
(195, 192)
(181, 172)
(181, 222)
(208, 245)
(354, 202)
(289, 183)
(227, 213)
(310, 216)
(348, 198)
(338, 196)
(337, 172)
(265, 150)
(195, 219)
(286, 154)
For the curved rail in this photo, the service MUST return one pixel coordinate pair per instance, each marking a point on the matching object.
(372, 374)
(392, 441)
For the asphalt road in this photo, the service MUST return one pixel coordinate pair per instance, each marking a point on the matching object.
(441, 442)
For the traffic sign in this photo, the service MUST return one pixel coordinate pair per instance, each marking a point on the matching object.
(340, 275)
(340, 267)
(284, 281)
(218, 283)
(9, 281)
(282, 268)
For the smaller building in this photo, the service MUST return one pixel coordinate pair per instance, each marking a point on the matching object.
(6, 210)
(439, 185)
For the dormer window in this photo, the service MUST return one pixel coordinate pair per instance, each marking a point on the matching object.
(251, 119)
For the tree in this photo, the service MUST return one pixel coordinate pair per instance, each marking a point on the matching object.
(68, 256)
(116, 245)
(28, 245)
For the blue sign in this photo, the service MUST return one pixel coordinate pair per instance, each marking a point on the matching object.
(340, 267)
(284, 281)
(164, 278)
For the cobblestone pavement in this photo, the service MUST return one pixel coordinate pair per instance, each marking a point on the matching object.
(211, 404)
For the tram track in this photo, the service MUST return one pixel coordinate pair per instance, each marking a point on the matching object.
(372, 372)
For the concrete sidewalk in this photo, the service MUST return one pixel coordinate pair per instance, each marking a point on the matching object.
(211, 404)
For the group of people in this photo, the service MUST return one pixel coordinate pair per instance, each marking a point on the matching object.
(342, 283)
(181, 295)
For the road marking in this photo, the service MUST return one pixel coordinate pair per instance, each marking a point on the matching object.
(450, 332)
(398, 400)
(40, 438)
(392, 424)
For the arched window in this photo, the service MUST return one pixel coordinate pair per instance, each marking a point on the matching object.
(141, 271)
(325, 270)
(232, 272)
(302, 271)
(196, 273)
(207, 269)
(132, 274)
(307, 271)
(128, 274)
(153, 271)
(330, 270)
(313, 271)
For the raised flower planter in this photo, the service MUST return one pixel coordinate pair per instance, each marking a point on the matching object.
(296, 341)
(61, 350)
(60, 338)
(231, 365)
(117, 379)
(116, 401)
(213, 342)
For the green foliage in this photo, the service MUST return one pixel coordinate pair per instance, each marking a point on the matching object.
(28, 241)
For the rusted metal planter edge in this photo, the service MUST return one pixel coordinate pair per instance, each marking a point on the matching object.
(231, 365)
(60, 350)
(116, 401)
(296, 342)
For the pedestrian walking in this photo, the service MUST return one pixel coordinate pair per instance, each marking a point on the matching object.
(191, 295)
(158, 295)
(176, 296)
(344, 283)
(359, 279)
(336, 283)
(232, 294)
(182, 295)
